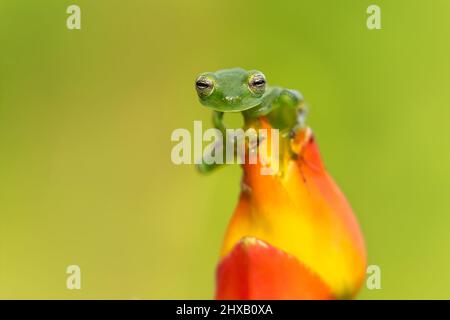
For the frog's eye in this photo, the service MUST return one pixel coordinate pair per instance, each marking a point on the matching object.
(257, 83)
(204, 86)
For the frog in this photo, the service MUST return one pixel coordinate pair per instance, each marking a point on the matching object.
(247, 91)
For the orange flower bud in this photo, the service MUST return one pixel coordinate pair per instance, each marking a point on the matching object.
(306, 223)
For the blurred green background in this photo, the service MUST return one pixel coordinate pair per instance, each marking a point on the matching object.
(86, 118)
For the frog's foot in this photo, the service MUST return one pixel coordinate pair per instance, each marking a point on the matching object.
(209, 162)
(299, 137)
(205, 168)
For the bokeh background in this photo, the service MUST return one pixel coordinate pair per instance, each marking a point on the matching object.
(86, 118)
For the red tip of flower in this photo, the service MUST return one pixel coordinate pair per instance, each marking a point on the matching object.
(256, 270)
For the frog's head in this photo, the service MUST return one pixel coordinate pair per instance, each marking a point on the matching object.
(231, 90)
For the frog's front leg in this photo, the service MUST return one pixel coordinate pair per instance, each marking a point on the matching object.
(217, 119)
(294, 99)
(290, 98)
(291, 113)
(218, 123)
(205, 167)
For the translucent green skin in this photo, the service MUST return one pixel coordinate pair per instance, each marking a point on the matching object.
(282, 107)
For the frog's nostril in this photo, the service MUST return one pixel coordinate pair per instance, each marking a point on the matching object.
(232, 99)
